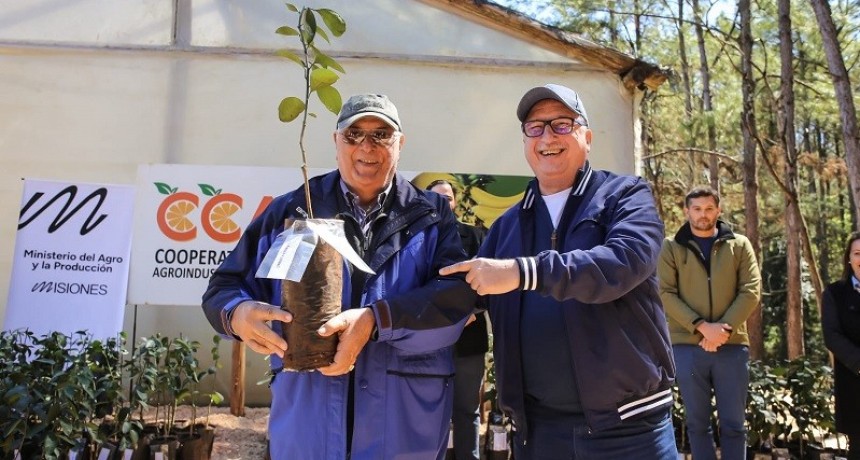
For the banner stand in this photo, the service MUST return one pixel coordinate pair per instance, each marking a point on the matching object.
(237, 389)
(133, 345)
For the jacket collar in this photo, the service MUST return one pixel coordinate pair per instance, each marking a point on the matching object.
(685, 233)
(403, 199)
(580, 185)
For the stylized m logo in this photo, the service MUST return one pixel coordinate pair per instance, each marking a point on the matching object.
(43, 286)
(64, 215)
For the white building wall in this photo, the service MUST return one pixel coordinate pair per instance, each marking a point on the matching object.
(93, 88)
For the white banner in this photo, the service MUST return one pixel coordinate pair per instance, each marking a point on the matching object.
(188, 218)
(70, 267)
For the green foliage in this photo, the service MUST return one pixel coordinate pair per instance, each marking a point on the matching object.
(61, 392)
(808, 385)
(319, 69)
(764, 405)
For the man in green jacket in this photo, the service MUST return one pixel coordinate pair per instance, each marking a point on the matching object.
(709, 284)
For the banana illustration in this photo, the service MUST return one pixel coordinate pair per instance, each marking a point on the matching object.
(485, 198)
(487, 207)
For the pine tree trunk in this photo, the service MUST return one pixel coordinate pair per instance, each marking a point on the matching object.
(755, 327)
(793, 221)
(707, 103)
(688, 97)
(845, 99)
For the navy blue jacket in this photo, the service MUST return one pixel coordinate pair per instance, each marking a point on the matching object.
(403, 394)
(604, 274)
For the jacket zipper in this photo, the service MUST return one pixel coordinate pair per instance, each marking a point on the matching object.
(708, 271)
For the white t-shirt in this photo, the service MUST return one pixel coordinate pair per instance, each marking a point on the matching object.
(555, 204)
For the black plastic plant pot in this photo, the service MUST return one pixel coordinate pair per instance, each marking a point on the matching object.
(312, 301)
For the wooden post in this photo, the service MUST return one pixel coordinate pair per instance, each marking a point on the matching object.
(237, 389)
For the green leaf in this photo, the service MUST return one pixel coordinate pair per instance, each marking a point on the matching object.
(292, 8)
(290, 108)
(208, 190)
(163, 188)
(330, 97)
(286, 31)
(322, 77)
(333, 21)
(291, 56)
(322, 34)
(308, 26)
(326, 61)
(216, 398)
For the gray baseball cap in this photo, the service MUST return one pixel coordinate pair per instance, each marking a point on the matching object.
(368, 105)
(560, 93)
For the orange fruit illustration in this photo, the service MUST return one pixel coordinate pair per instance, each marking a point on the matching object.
(173, 218)
(216, 217)
(264, 203)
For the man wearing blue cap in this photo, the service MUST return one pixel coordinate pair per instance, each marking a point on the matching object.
(569, 272)
(388, 393)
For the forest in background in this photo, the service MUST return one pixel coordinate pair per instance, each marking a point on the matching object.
(760, 105)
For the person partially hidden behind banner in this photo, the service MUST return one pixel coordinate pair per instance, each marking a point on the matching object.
(583, 362)
(388, 392)
(840, 319)
(469, 359)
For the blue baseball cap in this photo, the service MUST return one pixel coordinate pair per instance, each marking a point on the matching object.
(562, 94)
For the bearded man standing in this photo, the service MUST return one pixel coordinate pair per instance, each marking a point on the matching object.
(710, 284)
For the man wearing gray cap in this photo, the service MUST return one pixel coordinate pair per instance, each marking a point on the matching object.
(388, 392)
(569, 272)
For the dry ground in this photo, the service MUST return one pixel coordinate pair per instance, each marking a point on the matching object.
(235, 437)
(239, 437)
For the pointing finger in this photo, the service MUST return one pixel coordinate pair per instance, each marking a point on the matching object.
(459, 267)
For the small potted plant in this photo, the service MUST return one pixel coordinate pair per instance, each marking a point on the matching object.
(315, 296)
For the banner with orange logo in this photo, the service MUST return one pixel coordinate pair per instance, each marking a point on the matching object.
(71, 262)
(187, 220)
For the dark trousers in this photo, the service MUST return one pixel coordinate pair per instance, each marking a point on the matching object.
(468, 383)
(569, 438)
(726, 373)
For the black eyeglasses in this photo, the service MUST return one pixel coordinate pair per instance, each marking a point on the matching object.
(383, 137)
(561, 126)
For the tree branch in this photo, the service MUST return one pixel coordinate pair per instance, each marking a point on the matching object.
(692, 150)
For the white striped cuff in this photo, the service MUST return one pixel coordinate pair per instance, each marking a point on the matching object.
(528, 273)
(645, 404)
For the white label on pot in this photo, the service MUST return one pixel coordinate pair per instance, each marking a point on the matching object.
(17, 455)
(104, 454)
(500, 439)
(128, 454)
(73, 454)
(288, 256)
(159, 456)
(340, 244)
(301, 259)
